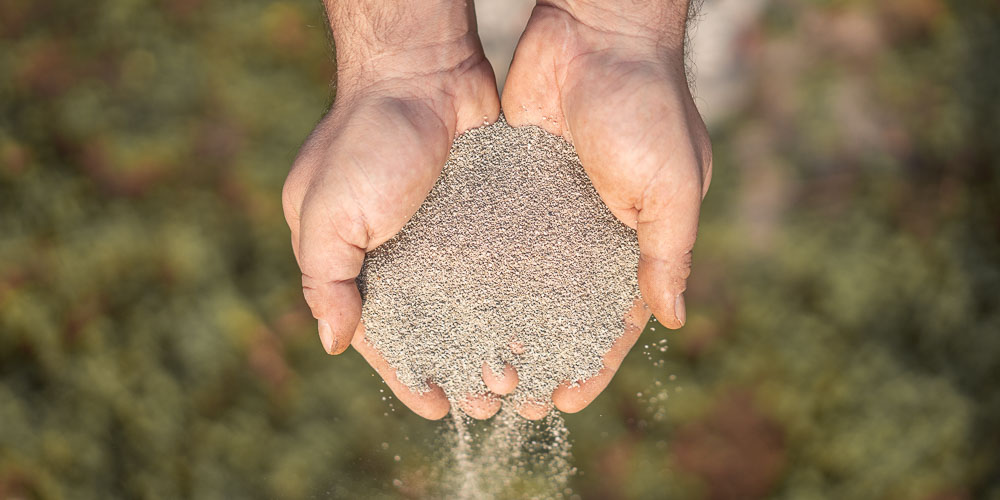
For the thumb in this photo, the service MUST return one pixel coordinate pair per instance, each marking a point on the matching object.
(330, 250)
(667, 226)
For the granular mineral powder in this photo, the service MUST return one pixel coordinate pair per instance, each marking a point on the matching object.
(512, 259)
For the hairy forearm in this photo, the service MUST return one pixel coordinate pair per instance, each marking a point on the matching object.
(380, 39)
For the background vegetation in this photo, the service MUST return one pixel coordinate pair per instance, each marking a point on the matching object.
(844, 323)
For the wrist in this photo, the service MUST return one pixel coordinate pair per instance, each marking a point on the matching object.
(658, 24)
(382, 40)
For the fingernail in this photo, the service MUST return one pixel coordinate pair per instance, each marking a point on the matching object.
(326, 336)
(679, 311)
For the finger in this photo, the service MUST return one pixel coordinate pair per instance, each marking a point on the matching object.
(573, 399)
(533, 410)
(432, 405)
(330, 252)
(501, 384)
(480, 406)
(667, 227)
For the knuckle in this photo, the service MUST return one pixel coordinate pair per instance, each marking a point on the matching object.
(312, 291)
(313, 300)
(680, 272)
(683, 270)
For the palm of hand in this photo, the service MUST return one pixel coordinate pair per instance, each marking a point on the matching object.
(376, 158)
(628, 111)
(358, 179)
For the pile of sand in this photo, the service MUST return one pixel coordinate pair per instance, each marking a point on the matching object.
(512, 259)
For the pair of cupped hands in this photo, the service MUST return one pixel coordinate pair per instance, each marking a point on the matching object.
(607, 76)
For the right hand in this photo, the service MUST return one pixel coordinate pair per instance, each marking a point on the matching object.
(372, 160)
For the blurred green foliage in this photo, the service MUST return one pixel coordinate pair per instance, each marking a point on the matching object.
(845, 308)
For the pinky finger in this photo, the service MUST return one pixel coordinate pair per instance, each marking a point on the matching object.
(573, 399)
(432, 405)
(533, 410)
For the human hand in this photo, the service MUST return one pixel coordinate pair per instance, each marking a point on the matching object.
(403, 93)
(611, 80)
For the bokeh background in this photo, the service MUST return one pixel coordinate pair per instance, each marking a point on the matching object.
(844, 313)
